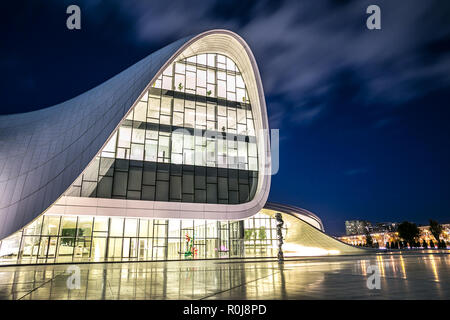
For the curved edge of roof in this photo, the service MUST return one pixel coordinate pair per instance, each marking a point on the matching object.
(42, 152)
(296, 211)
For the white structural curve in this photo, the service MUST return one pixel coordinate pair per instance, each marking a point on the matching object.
(43, 152)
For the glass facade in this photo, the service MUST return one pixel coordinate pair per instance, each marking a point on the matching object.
(60, 239)
(190, 138)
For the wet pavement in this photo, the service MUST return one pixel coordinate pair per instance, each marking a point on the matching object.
(412, 275)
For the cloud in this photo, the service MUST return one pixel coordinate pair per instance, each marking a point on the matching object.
(302, 48)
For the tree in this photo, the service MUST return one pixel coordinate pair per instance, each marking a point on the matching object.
(369, 240)
(435, 229)
(408, 231)
(431, 244)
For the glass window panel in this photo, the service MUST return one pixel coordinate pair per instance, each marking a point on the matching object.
(190, 67)
(201, 59)
(163, 147)
(180, 67)
(231, 96)
(104, 187)
(166, 105)
(145, 96)
(130, 227)
(178, 105)
(211, 60)
(231, 118)
(189, 118)
(242, 129)
(252, 164)
(188, 156)
(68, 227)
(201, 116)
(221, 153)
(165, 119)
(111, 145)
(178, 119)
(151, 150)
(222, 124)
(211, 112)
(153, 107)
(211, 76)
(120, 183)
(143, 228)
(124, 137)
(201, 77)
(221, 58)
(140, 111)
(188, 141)
(242, 152)
(34, 228)
(84, 226)
(222, 111)
(177, 158)
(148, 193)
(200, 155)
(211, 151)
(100, 224)
(239, 81)
(130, 115)
(230, 65)
(138, 135)
(211, 90)
(221, 75)
(177, 142)
(157, 83)
(231, 83)
(201, 91)
(189, 104)
(151, 134)
(192, 59)
(221, 89)
(135, 179)
(250, 128)
(167, 83)
(162, 191)
(179, 82)
(168, 71)
(137, 152)
(241, 116)
(240, 95)
(51, 225)
(190, 80)
(116, 227)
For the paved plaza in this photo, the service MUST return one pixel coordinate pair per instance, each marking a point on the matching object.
(411, 275)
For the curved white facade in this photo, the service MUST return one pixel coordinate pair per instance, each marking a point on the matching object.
(42, 153)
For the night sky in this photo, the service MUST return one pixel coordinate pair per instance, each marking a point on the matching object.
(363, 114)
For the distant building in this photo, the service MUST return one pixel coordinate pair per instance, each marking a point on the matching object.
(385, 227)
(353, 227)
(383, 237)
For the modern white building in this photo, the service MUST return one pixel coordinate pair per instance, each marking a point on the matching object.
(168, 160)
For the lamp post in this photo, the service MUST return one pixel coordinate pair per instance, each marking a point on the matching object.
(280, 224)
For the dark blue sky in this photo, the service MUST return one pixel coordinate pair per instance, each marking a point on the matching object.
(363, 115)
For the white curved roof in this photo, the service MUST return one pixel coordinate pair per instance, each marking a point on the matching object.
(43, 152)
